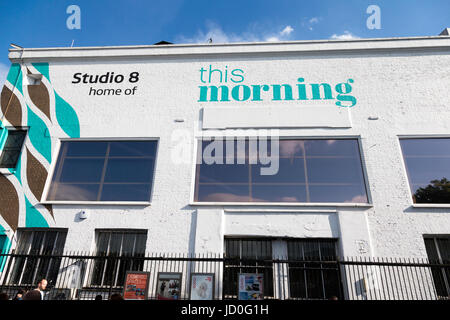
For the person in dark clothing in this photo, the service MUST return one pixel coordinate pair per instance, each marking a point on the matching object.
(99, 297)
(33, 295)
(4, 296)
(19, 295)
(116, 297)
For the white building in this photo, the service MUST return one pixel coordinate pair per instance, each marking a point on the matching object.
(112, 136)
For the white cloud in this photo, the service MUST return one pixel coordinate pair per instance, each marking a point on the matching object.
(3, 73)
(309, 23)
(272, 39)
(218, 35)
(347, 35)
(287, 30)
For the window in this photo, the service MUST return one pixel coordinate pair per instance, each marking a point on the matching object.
(113, 244)
(12, 148)
(260, 249)
(438, 251)
(104, 171)
(43, 245)
(313, 280)
(428, 166)
(320, 170)
(308, 278)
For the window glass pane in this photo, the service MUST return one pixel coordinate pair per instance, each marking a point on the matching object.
(290, 170)
(133, 148)
(74, 192)
(332, 172)
(104, 171)
(9, 158)
(220, 173)
(343, 148)
(262, 193)
(129, 170)
(423, 171)
(126, 192)
(141, 239)
(82, 170)
(15, 139)
(12, 148)
(223, 193)
(291, 148)
(426, 147)
(338, 193)
(427, 163)
(86, 148)
(444, 249)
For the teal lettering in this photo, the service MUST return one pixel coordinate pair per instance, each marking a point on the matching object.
(277, 92)
(316, 91)
(214, 93)
(245, 93)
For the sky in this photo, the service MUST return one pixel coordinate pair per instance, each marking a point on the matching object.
(43, 23)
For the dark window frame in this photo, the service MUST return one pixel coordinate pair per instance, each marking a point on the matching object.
(441, 276)
(16, 149)
(330, 274)
(303, 289)
(231, 271)
(41, 267)
(102, 267)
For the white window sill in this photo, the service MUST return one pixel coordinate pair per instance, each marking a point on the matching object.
(99, 203)
(431, 205)
(5, 171)
(284, 204)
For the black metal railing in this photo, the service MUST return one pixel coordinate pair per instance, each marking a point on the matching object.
(83, 276)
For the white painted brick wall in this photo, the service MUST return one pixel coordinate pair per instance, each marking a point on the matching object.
(408, 91)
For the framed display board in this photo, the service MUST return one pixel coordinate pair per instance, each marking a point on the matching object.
(168, 286)
(202, 286)
(136, 285)
(250, 286)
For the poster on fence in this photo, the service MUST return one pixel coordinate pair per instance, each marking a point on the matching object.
(136, 285)
(250, 286)
(202, 286)
(168, 286)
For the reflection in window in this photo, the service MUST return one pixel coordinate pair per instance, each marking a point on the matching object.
(104, 171)
(309, 171)
(118, 243)
(12, 148)
(428, 166)
(43, 245)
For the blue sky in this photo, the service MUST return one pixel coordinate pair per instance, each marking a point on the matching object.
(42, 23)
